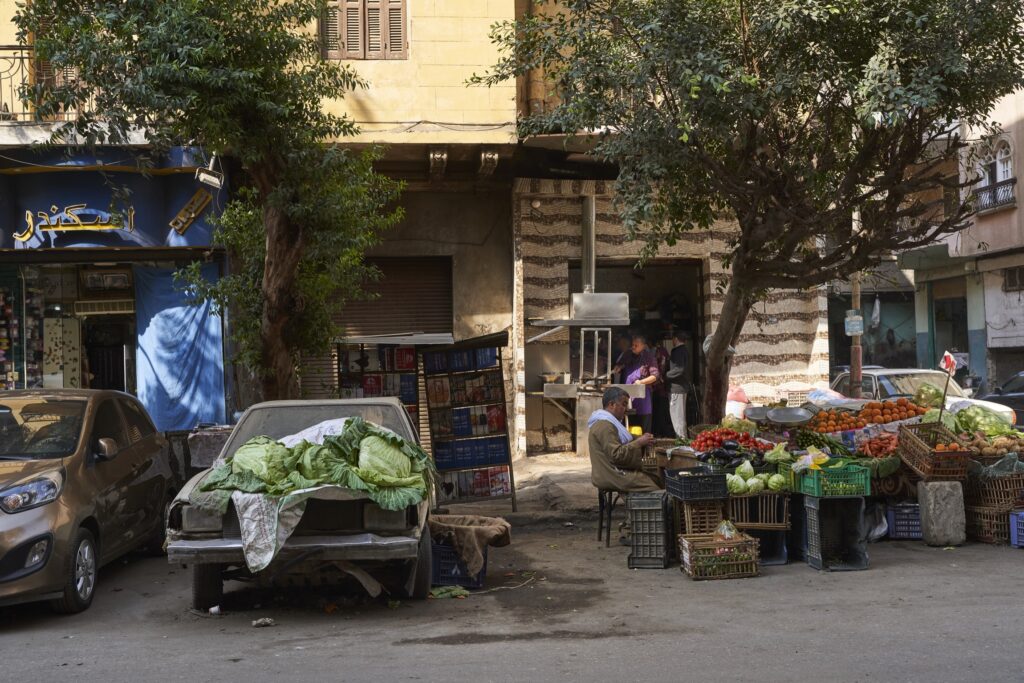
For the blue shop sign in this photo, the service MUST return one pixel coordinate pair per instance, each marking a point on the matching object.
(72, 206)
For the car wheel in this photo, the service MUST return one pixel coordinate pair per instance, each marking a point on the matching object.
(424, 568)
(207, 586)
(80, 584)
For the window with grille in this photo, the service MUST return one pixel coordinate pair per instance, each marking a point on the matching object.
(365, 29)
(1013, 279)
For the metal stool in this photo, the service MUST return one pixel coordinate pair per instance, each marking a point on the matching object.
(606, 501)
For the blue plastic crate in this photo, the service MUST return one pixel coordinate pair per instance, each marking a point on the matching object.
(448, 570)
(904, 521)
(1017, 529)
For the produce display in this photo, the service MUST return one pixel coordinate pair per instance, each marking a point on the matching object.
(807, 439)
(980, 419)
(890, 411)
(393, 472)
(717, 438)
(999, 446)
(882, 446)
(833, 420)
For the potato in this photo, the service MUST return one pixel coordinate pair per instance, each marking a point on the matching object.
(1001, 451)
(989, 450)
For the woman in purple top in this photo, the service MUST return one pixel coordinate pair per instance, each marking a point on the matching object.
(642, 368)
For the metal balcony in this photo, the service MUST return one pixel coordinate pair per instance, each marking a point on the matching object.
(19, 67)
(995, 196)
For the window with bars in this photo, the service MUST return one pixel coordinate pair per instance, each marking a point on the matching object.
(1013, 279)
(365, 29)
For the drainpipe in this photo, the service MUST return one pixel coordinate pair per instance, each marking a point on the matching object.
(535, 77)
(588, 246)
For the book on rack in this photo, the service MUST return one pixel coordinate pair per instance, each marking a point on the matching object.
(438, 393)
(405, 358)
(373, 386)
(495, 419)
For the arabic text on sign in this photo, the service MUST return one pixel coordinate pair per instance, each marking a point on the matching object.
(73, 217)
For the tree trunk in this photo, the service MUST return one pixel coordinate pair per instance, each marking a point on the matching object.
(718, 362)
(284, 251)
(285, 243)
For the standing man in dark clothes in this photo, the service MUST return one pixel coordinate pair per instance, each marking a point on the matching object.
(678, 377)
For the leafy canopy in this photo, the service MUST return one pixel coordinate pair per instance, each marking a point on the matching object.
(244, 79)
(787, 115)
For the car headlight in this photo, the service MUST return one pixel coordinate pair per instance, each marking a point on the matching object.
(32, 494)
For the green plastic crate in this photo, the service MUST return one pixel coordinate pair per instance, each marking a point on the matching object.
(851, 480)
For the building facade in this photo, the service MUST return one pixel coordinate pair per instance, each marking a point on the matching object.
(969, 288)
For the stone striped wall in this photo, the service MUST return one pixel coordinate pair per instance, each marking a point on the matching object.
(785, 342)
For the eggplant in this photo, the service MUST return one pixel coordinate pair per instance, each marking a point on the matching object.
(705, 456)
(731, 445)
(757, 461)
(734, 463)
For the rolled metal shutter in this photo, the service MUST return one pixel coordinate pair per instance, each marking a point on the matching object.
(413, 295)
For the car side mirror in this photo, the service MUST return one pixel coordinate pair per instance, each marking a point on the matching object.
(107, 449)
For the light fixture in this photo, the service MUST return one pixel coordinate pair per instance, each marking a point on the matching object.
(211, 175)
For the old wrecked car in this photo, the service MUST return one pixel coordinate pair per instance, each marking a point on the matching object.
(342, 534)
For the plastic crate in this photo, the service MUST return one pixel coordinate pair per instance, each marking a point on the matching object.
(836, 534)
(772, 550)
(1017, 529)
(760, 511)
(837, 482)
(448, 569)
(904, 521)
(650, 528)
(695, 483)
(786, 470)
(797, 538)
(704, 558)
(987, 525)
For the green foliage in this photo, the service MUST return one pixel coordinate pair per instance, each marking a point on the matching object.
(788, 115)
(244, 79)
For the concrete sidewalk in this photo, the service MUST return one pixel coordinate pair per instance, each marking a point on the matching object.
(549, 488)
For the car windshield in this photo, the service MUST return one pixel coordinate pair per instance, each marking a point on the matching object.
(34, 428)
(280, 421)
(908, 384)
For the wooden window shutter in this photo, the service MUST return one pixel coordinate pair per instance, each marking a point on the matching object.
(330, 31)
(353, 29)
(375, 29)
(397, 43)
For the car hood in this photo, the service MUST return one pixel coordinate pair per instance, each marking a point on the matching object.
(15, 471)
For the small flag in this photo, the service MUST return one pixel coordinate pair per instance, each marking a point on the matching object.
(948, 363)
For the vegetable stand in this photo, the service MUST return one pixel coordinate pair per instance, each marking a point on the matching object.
(467, 419)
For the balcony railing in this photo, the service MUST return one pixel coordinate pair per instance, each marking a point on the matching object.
(995, 196)
(18, 67)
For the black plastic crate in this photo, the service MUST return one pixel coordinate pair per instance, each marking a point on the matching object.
(695, 483)
(650, 525)
(448, 569)
(904, 521)
(773, 550)
(797, 538)
(836, 533)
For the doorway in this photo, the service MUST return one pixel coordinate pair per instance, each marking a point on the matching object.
(109, 352)
(665, 296)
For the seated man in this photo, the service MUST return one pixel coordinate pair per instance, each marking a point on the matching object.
(615, 456)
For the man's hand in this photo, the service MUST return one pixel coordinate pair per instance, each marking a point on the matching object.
(643, 439)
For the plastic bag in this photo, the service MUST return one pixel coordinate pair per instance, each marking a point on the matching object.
(726, 531)
(812, 461)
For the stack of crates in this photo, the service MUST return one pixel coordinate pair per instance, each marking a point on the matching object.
(836, 533)
(651, 526)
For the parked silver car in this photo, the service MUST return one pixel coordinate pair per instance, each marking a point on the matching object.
(886, 383)
(341, 532)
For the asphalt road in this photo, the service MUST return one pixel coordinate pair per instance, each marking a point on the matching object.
(560, 607)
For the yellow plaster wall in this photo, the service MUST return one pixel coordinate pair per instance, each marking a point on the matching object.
(424, 99)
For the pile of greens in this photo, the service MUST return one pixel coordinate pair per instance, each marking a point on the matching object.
(393, 472)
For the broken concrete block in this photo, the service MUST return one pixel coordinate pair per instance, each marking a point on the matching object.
(942, 512)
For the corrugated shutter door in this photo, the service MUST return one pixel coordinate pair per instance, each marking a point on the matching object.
(414, 295)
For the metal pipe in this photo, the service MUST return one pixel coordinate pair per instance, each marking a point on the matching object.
(588, 247)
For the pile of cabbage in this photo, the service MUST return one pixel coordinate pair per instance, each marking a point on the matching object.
(393, 472)
(745, 482)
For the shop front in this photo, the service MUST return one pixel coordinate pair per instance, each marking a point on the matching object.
(88, 288)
